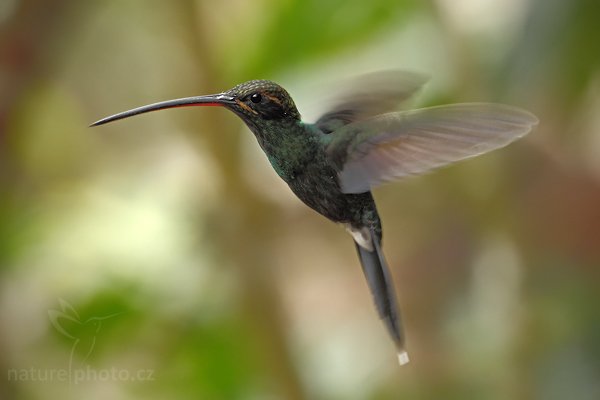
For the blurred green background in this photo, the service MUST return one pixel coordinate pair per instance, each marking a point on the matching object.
(227, 287)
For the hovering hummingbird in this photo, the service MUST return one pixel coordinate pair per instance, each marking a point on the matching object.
(361, 142)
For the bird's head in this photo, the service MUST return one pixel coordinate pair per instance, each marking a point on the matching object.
(255, 102)
(262, 99)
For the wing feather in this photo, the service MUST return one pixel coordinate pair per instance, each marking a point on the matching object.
(392, 146)
(370, 94)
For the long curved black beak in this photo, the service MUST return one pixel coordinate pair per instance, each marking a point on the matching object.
(220, 99)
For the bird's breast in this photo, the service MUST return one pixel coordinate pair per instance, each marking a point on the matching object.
(317, 186)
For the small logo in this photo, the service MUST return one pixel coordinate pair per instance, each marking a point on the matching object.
(83, 333)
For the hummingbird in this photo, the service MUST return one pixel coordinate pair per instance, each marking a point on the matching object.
(83, 332)
(362, 141)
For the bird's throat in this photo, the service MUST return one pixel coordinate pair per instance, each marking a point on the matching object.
(288, 146)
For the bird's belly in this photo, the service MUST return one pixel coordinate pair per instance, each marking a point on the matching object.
(322, 193)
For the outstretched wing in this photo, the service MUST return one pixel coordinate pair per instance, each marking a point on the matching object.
(394, 145)
(368, 95)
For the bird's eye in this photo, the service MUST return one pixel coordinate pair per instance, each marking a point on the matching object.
(256, 98)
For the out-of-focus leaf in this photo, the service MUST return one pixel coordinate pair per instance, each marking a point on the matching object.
(559, 48)
(299, 31)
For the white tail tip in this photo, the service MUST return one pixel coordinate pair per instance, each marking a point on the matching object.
(403, 357)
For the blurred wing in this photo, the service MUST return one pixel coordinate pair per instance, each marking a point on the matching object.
(394, 145)
(369, 95)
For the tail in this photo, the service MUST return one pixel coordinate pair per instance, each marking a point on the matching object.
(382, 288)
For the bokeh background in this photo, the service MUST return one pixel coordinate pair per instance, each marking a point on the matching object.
(166, 244)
